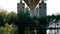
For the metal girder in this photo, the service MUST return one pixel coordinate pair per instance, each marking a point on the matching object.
(32, 3)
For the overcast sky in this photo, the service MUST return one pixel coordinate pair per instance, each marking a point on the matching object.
(53, 6)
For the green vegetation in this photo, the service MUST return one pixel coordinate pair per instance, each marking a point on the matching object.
(12, 23)
(26, 30)
(8, 29)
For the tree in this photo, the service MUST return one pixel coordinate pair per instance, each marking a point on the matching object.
(8, 29)
(11, 17)
(23, 21)
(26, 30)
(2, 17)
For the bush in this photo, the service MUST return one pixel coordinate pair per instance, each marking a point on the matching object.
(8, 29)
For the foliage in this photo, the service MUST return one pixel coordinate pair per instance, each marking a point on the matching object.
(6, 17)
(8, 29)
(27, 30)
(23, 19)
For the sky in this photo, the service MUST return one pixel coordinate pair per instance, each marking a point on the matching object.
(53, 6)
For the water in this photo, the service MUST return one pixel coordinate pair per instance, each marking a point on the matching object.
(54, 24)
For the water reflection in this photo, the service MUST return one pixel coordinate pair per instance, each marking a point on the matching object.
(54, 24)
